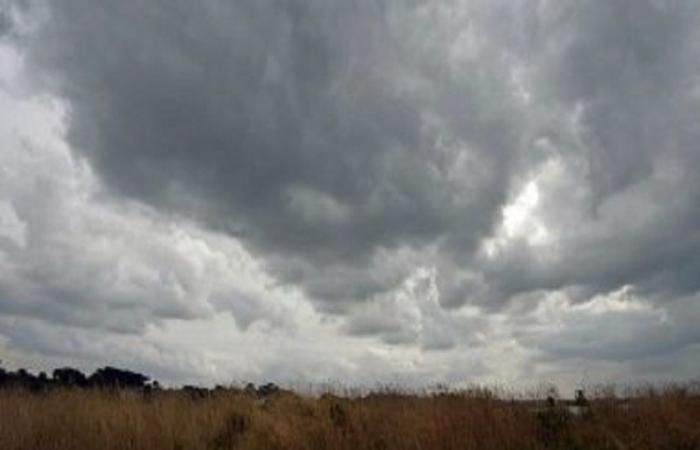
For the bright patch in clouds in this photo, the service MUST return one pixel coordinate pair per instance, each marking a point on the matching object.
(520, 222)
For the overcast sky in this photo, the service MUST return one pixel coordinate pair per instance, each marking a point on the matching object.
(352, 191)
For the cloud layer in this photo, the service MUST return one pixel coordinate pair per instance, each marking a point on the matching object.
(408, 182)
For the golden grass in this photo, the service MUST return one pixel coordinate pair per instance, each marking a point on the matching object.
(65, 419)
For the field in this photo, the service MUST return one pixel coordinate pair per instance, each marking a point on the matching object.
(81, 419)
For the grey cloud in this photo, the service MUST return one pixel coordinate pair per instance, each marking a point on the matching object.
(12, 15)
(630, 66)
(72, 256)
(320, 132)
(5, 23)
(623, 334)
(616, 84)
(6, 19)
(323, 134)
(412, 315)
(43, 345)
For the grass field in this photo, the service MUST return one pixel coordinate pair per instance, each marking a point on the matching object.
(75, 419)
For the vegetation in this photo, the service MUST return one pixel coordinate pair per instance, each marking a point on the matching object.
(70, 417)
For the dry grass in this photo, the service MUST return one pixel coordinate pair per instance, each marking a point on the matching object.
(232, 419)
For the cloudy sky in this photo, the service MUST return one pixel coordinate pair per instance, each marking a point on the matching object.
(352, 191)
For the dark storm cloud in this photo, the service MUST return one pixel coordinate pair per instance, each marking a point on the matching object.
(10, 14)
(630, 66)
(6, 20)
(313, 130)
(625, 75)
(5, 23)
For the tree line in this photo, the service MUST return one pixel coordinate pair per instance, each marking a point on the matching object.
(109, 377)
(105, 377)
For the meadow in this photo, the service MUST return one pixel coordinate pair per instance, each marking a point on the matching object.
(232, 418)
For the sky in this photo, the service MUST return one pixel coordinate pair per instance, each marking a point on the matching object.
(352, 191)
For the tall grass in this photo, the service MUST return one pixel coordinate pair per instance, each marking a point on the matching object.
(66, 419)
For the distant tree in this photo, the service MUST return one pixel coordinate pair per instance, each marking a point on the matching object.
(196, 392)
(111, 377)
(4, 377)
(68, 376)
(267, 390)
